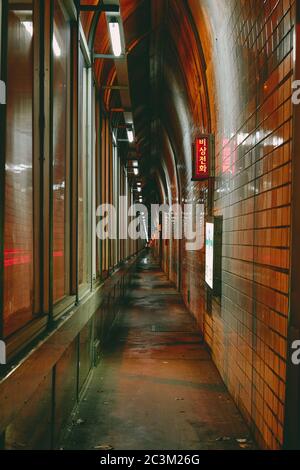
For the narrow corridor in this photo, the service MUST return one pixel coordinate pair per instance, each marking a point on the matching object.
(130, 125)
(156, 386)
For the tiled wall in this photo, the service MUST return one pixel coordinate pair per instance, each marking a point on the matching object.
(248, 51)
(252, 64)
(184, 122)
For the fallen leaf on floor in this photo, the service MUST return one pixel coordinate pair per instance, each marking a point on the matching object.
(104, 447)
(245, 446)
(245, 443)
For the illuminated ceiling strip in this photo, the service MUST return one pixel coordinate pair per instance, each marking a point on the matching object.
(115, 36)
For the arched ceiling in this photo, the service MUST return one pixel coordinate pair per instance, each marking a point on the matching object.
(167, 77)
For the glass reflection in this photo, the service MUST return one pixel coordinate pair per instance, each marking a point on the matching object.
(61, 49)
(18, 238)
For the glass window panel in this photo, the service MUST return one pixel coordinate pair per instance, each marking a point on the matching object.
(18, 237)
(61, 54)
(82, 177)
(98, 182)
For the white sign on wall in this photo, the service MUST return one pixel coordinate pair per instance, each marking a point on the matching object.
(2, 92)
(2, 353)
(209, 255)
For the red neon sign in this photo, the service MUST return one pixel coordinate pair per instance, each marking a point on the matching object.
(201, 170)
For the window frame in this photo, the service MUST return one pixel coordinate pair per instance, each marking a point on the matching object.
(85, 288)
(3, 77)
(57, 308)
(45, 313)
(24, 334)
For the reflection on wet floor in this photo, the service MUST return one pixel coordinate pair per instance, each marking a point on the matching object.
(156, 387)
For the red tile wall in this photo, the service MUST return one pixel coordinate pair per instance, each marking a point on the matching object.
(248, 48)
(248, 328)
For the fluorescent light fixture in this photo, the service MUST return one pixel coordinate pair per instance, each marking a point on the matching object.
(56, 48)
(115, 37)
(139, 190)
(136, 171)
(139, 184)
(130, 135)
(28, 25)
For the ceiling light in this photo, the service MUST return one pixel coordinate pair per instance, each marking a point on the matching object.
(135, 164)
(115, 36)
(139, 190)
(136, 171)
(130, 135)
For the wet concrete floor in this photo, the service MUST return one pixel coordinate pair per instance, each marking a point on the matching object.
(156, 387)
